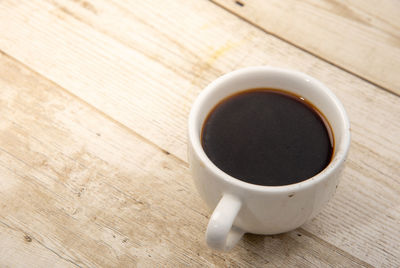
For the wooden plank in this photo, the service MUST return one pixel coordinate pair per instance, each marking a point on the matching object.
(362, 37)
(89, 59)
(93, 193)
(17, 249)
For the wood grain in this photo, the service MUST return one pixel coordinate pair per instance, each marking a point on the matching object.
(362, 37)
(84, 191)
(17, 248)
(140, 67)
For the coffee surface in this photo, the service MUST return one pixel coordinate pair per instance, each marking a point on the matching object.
(267, 137)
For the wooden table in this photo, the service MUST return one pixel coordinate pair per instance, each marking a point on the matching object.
(94, 100)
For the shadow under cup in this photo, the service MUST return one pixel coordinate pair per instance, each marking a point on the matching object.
(263, 209)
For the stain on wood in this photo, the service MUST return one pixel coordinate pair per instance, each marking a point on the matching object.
(28, 238)
(239, 3)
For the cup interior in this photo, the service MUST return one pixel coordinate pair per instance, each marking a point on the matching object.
(265, 77)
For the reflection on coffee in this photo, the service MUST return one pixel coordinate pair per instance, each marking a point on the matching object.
(267, 137)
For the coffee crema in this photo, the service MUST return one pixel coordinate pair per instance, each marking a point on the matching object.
(267, 137)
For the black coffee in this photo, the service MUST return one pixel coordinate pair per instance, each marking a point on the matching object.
(267, 137)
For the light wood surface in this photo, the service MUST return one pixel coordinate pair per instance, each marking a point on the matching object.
(361, 36)
(94, 99)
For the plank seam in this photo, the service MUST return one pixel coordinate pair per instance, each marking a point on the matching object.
(40, 243)
(305, 50)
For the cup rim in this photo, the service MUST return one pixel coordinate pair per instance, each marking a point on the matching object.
(341, 149)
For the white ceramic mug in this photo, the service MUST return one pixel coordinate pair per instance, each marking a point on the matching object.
(241, 207)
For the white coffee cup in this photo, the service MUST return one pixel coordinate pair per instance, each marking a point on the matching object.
(241, 207)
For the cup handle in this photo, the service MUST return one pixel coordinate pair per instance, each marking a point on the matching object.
(220, 233)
